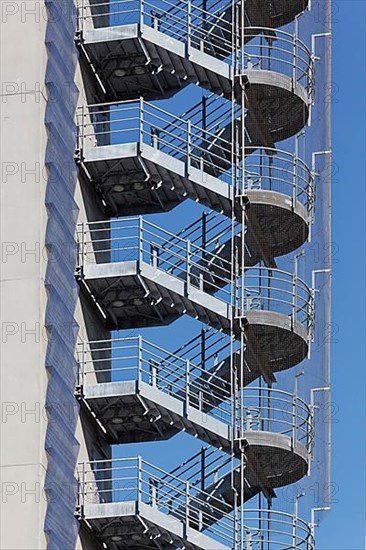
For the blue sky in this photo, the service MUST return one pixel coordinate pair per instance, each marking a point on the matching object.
(343, 529)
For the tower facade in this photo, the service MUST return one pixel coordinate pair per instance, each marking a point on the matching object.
(166, 308)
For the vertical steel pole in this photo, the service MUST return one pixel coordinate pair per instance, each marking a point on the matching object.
(187, 502)
(142, 5)
(83, 485)
(295, 53)
(189, 16)
(294, 523)
(204, 124)
(140, 242)
(294, 413)
(294, 292)
(295, 173)
(82, 247)
(189, 137)
(139, 361)
(188, 268)
(82, 142)
(203, 469)
(139, 481)
(187, 383)
(82, 378)
(141, 123)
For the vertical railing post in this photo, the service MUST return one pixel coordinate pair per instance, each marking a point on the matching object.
(187, 503)
(294, 413)
(82, 132)
(83, 485)
(82, 366)
(154, 492)
(187, 383)
(81, 15)
(203, 469)
(140, 242)
(188, 268)
(294, 293)
(294, 523)
(293, 60)
(189, 22)
(142, 7)
(311, 81)
(311, 196)
(82, 247)
(310, 430)
(153, 374)
(139, 361)
(200, 400)
(139, 481)
(295, 408)
(204, 132)
(294, 54)
(295, 173)
(311, 315)
(141, 123)
(154, 256)
(188, 163)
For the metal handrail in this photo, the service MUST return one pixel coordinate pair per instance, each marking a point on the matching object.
(136, 239)
(134, 479)
(184, 22)
(285, 54)
(209, 32)
(265, 169)
(205, 467)
(134, 358)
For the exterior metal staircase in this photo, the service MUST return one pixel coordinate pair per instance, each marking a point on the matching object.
(169, 159)
(132, 504)
(146, 397)
(141, 275)
(139, 158)
(155, 49)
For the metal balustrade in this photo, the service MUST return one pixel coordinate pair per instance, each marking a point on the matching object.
(136, 480)
(281, 53)
(135, 239)
(211, 150)
(275, 530)
(209, 32)
(212, 113)
(209, 231)
(139, 360)
(185, 21)
(281, 172)
(136, 359)
(206, 467)
(145, 123)
(277, 411)
(208, 348)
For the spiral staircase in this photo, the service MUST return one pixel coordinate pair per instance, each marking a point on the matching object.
(138, 158)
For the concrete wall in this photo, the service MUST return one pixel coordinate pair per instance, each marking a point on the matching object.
(22, 270)
(37, 55)
(26, 383)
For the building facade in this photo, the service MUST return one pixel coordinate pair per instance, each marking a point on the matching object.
(165, 274)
